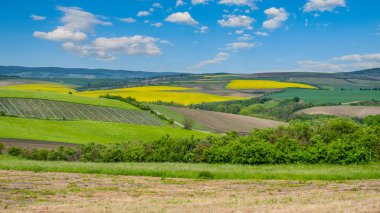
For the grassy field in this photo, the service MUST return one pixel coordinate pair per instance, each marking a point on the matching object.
(58, 110)
(23, 191)
(86, 131)
(326, 96)
(187, 170)
(179, 95)
(265, 84)
(11, 93)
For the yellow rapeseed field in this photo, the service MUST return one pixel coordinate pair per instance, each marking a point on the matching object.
(47, 87)
(265, 84)
(181, 95)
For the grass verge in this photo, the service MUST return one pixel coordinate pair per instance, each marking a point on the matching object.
(213, 171)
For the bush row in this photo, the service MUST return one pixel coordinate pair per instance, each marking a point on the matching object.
(333, 141)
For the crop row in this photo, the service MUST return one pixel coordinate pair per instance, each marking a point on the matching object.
(47, 109)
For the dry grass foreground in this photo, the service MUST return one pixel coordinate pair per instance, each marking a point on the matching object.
(225, 122)
(351, 111)
(60, 192)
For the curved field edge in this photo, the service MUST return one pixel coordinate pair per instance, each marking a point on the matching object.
(9, 93)
(81, 132)
(186, 170)
(265, 84)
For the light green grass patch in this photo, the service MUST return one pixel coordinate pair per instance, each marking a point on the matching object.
(216, 171)
(87, 131)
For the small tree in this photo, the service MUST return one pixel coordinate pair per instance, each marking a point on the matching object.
(188, 123)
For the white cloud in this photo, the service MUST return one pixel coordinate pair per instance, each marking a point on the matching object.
(236, 46)
(343, 63)
(236, 21)
(179, 3)
(249, 3)
(239, 32)
(158, 24)
(358, 57)
(195, 2)
(106, 48)
(75, 23)
(128, 20)
(181, 18)
(245, 37)
(258, 33)
(276, 17)
(219, 58)
(203, 30)
(143, 13)
(37, 17)
(157, 5)
(61, 34)
(323, 5)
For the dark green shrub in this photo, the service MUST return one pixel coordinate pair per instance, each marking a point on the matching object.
(15, 151)
(2, 147)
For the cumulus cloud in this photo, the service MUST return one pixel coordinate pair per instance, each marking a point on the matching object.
(219, 58)
(61, 34)
(128, 20)
(76, 23)
(202, 30)
(249, 3)
(323, 5)
(276, 17)
(143, 13)
(181, 18)
(236, 21)
(106, 48)
(37, 17)
(195, 2)
(157, 5)
(179, 3)
(158, 24)
(259, 33)
(236, 46)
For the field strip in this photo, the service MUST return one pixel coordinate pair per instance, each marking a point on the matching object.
(25, 143)
(350, 111)
(47, 109)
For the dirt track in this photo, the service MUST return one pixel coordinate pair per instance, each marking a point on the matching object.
(225, 122)
(351, 111)
(32, 143)
(62, 192)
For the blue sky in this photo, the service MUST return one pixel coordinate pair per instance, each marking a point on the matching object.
(199, 36)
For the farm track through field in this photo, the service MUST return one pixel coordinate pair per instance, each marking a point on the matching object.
(56, 110)
(350, 111)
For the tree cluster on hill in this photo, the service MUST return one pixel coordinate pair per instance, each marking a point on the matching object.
(332, 141)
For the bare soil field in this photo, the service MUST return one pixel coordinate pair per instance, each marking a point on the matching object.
(351, 111)
(32, 144)
(10, 82)
(224, 122)
(62, 192)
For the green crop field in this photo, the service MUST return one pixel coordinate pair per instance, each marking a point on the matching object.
(86, 131)
(326, 96)
(47, 109)
(9, 93)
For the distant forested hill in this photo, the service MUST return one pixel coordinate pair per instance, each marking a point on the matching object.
(374, 73)
(57, 72)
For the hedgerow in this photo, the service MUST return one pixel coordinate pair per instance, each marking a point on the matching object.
(331, 141)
